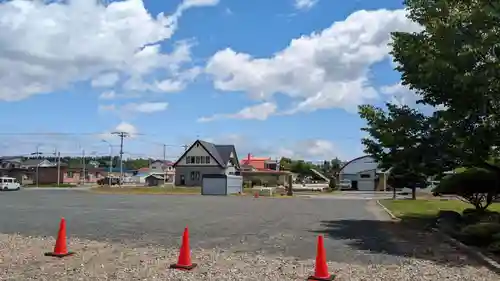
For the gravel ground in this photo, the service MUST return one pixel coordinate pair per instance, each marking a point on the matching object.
(21, 258)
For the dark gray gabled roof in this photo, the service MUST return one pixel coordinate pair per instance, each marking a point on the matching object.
(225, 153)
(212, 150)
(221, 153)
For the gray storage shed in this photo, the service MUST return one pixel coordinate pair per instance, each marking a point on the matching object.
(217, 184)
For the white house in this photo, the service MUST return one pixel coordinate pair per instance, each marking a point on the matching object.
(364, 174)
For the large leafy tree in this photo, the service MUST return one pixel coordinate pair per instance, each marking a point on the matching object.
(453, 63)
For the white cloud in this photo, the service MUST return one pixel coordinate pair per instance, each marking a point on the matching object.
(106, 80)
(199, 3)
(402, 95)
(399, 94)
(307, 149)
(108, 95)
(126, 110)
(328, 69)
(304, 4)
(313, 149)
(146, 107)
(46, 46)
(125, 127)
(259, 112)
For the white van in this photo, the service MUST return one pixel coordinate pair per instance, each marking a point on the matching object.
(8, 183)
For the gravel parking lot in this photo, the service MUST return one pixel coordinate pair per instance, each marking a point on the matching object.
(120, 237)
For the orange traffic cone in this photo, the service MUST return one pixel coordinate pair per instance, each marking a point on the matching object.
(61, 248)
(184, 262)
(321, 268)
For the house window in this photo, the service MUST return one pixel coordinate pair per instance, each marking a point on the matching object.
(202, 160)
(198, 159)
(364, 176)
(195, 175)
(69, 174)
(207, 159)
(189, 160)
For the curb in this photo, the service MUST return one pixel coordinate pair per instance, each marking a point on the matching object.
(393, 217)
(471, 251)
(475, 253)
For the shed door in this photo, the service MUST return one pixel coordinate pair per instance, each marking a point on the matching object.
(213, 186)
(366, 185)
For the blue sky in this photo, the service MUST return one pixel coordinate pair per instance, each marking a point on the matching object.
(276, 78)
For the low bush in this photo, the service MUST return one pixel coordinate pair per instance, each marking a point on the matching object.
(478, 186)
(479, 234)
(472, 216)
(494, 247)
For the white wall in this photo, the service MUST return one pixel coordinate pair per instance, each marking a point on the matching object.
(359, 165)
(197, 151)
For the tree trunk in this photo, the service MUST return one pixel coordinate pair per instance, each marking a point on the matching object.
(290, 186)
(393, 193)
(413, 193)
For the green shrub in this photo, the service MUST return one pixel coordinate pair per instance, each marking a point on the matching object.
(471, 216)
(494, 247)
(478, 186)
(496, 237)
(479, 234)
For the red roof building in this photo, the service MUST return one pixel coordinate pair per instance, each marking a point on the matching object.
(260, 163)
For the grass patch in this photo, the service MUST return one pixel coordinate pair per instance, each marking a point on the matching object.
(146, 190)
(428, 208)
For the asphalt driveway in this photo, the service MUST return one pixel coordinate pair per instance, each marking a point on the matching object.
(286, 226)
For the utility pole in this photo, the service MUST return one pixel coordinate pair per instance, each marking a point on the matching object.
(83, 165)
(58, 154)
(164, 166)
(122, 135)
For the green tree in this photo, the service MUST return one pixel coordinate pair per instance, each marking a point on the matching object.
(395, 141)
(452, 63)
(336, 163)
(285, 163)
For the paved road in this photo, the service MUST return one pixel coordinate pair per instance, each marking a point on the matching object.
(357, 195)
(287, 226)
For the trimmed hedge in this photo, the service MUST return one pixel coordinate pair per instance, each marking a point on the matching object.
(473, 180)
(480, 234)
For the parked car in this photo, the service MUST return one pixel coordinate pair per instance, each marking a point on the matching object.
(8, 183)
(345, 184)
(106, 180)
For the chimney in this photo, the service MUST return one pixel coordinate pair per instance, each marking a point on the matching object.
(248, 158)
